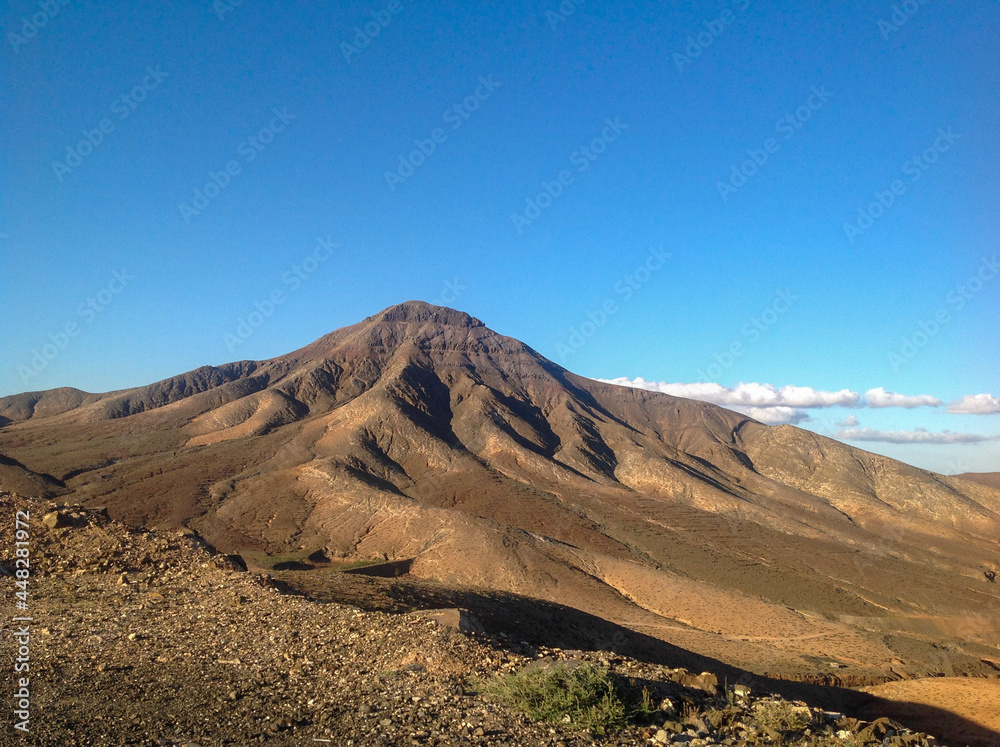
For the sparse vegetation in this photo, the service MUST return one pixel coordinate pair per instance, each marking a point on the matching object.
(586, 694)
(646, 707)
(778, 715)
(831, 740)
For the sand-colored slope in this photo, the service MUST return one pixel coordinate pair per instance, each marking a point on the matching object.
(964, 700)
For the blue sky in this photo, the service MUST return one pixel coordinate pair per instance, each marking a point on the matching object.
(632, 190)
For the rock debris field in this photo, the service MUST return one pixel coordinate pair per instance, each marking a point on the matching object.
(150, 638)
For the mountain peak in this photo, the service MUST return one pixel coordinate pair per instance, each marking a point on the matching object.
(421, 311)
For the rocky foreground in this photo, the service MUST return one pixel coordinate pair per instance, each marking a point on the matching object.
(150, 638)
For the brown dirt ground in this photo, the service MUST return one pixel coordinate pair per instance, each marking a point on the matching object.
(974, 700)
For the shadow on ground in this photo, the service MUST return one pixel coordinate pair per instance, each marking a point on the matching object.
(542, 623)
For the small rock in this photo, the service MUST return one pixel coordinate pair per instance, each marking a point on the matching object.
(56, 519)
(705, 681)
(458, 619)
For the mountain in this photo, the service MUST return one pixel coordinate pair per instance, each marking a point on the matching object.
(992, 479)
(421, 436)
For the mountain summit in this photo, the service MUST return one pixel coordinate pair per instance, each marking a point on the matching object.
(420, 435)
(420, 311)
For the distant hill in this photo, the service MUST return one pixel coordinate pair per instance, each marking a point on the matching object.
(991, 479)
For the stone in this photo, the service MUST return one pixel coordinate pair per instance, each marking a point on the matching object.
(56, 519)
(706, 681)
(455, 618)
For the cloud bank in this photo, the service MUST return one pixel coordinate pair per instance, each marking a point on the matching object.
(790, 404)
(747, 394)
(879, 397)
(916, 436)
(975, 404)
(774, 415)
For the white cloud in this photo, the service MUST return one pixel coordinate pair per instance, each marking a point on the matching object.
(774, 415)
(975, 404)
(748, 394)
(916, 436)
(789, 404)
(879, 397)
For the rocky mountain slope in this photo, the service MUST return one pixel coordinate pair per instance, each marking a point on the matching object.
(421, 436)
(151, 638)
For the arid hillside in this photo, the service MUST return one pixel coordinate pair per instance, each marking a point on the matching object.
(150, 638)
(421, 436)
(990, 479)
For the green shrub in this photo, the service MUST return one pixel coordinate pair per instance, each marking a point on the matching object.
(781, 716)
(831, 740)
(587, 694)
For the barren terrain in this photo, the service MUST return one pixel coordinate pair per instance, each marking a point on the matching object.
(150, 638)
(421, 438)
(967, 701)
